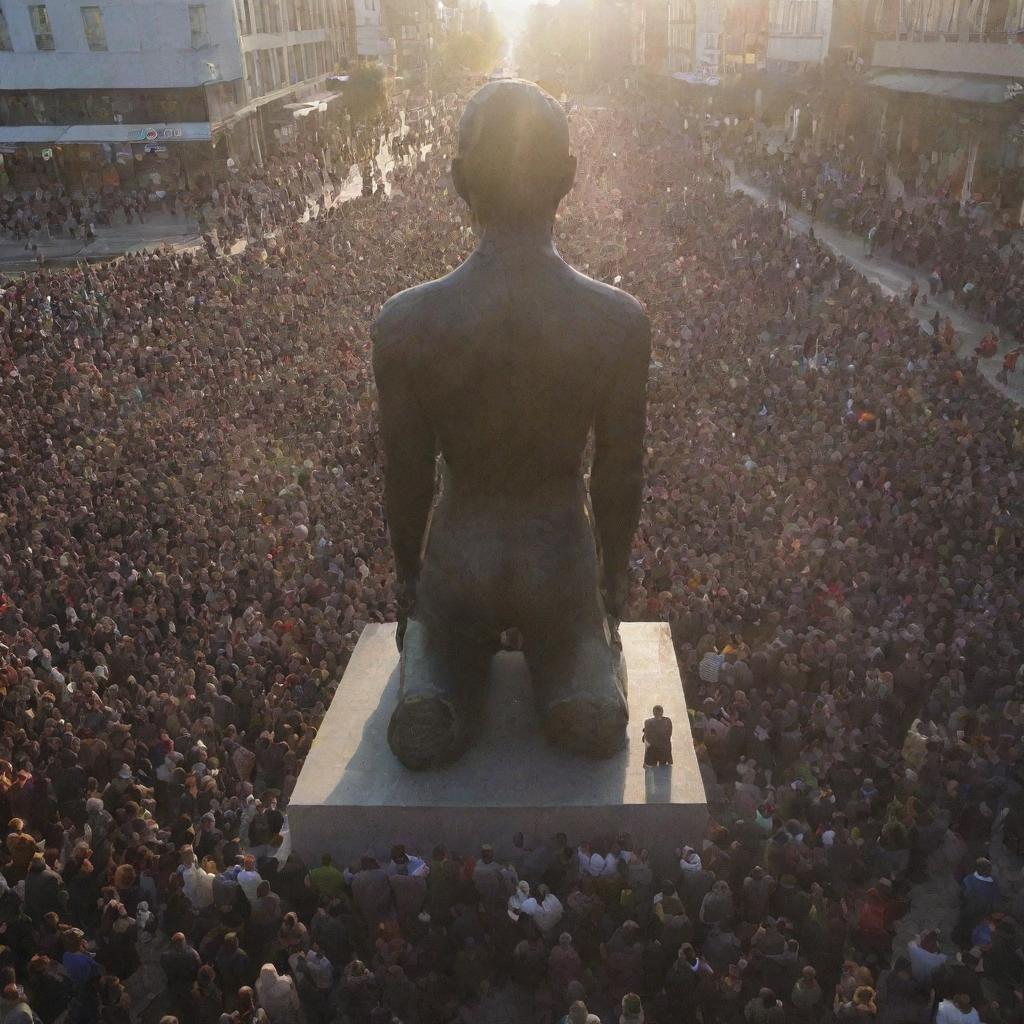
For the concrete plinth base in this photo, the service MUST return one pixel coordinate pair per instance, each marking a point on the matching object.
(353, 795)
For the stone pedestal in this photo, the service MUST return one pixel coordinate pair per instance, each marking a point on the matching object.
(353, 796)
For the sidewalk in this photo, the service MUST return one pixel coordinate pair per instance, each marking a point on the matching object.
(895, 279)
(159, 230)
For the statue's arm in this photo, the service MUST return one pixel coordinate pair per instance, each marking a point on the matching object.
(409, 455)
(616, 480)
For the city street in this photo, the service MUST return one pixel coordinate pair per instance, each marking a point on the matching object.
(895, 279)
(159, 231)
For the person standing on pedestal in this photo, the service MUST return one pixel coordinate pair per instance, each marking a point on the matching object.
(658, 739)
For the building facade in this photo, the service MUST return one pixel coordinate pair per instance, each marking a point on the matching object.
(682, 35)
(657, 15)
(948, 78)
(147, 93)
(745, 35)
(371, 35)
(707, 57)
(414, 26)
(798, 33)
(695, 37)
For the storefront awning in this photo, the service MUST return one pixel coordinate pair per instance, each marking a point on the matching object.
(696, 78)
(322, 97)
(318, 101)
(962, 88)
(301, 109)
(181, 131)
(31, 134)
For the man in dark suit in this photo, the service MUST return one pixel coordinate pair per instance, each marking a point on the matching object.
(658, 739)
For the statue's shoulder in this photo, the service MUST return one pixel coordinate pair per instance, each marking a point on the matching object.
(625, 327)
(400, 324)
(618, 309)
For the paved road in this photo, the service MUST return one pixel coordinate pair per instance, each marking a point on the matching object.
(895, 279)
(159, 230)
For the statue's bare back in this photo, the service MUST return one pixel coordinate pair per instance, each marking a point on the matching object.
(504, 368)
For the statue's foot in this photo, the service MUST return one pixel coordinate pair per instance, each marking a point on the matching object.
(585, 725)
(439, 698)
(427, 732)
(581, 696)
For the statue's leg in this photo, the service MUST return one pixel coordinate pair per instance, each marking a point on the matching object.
(579, 680)
(443, 681)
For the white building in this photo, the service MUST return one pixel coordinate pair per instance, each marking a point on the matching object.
(682, 21)
(135, 91)
(695, 38)
(948, 78)
(708, 37)
(371, 32)
(798, 32)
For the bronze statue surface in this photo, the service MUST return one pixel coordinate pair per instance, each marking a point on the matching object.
(504, 368)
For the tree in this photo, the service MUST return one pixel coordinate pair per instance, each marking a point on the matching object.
(366, 92)
(555, 47)
(469, 53)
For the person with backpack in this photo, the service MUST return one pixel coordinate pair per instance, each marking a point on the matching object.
(14, 1008)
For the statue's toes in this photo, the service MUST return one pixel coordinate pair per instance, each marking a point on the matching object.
(586, 724)
(426, 732)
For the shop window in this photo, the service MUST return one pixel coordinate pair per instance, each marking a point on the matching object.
(5, 36)
(42, 29)
(95, 33)
(197, 25)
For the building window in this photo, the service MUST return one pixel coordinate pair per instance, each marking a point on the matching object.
(197, 25)
(801, 17)
(265, 71)
(5, 36)
(41, 27)
(95, 33)
(250, 76)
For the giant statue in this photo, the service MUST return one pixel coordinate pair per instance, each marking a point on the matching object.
(491, 381)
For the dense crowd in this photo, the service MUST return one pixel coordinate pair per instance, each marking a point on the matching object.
(192, 539)
(975, 255)
(245, 202)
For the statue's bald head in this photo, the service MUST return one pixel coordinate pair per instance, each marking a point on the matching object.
(513, 162)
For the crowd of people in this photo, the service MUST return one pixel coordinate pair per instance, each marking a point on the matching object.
(250, 200)
(973, 255)
(192, 539)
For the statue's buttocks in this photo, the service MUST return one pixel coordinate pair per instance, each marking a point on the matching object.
(505, 368)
